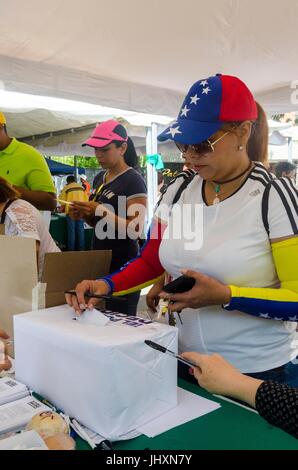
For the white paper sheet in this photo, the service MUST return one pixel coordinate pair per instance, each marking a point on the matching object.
(11, 390)
(16, 415)
(190, 407)
(92, 317)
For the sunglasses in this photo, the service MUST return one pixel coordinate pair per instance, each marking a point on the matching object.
(204, 147)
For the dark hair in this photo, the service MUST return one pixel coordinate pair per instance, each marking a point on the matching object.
(284, 167)
(257, 146)
(160, 178)
(70, 179)
(7, 191)
(130, 156)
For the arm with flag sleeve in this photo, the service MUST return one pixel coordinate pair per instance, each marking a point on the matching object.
(280, 218)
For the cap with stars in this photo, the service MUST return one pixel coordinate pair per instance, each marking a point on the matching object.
(208, 104)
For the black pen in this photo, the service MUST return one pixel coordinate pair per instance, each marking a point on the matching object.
(162, 349)
(97, 296)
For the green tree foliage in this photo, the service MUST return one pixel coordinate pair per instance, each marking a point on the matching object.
(82, 162)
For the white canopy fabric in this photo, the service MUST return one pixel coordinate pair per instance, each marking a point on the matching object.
(143, 55)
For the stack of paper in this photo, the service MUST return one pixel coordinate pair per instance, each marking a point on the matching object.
(11, 390)
(29, 440)
(16, 415)
(190, 407)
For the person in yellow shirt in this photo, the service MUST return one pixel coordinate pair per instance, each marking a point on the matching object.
(73, 191)
(25, 168)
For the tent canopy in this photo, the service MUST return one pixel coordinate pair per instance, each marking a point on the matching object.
(57, 168)
(143, 56)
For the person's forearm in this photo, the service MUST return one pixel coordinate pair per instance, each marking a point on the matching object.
(142, 271)
(245, 389)
(39, 199)
(278, 404)
(274, 304)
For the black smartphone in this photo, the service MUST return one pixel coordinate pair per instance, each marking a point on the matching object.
(180, 285)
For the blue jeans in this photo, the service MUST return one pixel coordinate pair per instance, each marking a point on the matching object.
(75, 235)
(287, 374)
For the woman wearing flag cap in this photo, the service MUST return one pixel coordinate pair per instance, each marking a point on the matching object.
(244, 304)
(118, 207)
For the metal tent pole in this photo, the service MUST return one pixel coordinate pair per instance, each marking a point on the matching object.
(151, 149)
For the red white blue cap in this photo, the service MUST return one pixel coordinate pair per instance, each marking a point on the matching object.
(208, 105)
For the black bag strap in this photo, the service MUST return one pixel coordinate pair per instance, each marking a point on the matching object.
(3, 215)
(183, 186)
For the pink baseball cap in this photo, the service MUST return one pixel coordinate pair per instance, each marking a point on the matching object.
(106, 133)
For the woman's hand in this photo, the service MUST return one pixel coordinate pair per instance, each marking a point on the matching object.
(86, 209)
(5, 363)
(79, 302)
(152, 298)
(218, 376)
(206, 291)
(75, 213)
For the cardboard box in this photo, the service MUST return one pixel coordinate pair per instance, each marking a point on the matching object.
(19, 288)
(63, 271)
(104, 376)
(18, 278)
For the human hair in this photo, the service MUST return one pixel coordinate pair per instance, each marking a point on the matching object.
(7, 191)
(70, 179)
(160, 178)
(284, 167)
(130, 156)
(257, 145)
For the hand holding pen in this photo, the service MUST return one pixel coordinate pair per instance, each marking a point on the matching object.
(79, 302)
(87, 294)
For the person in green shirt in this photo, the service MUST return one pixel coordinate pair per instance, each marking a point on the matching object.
(25, 168)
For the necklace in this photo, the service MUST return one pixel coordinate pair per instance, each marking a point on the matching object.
(218, 184)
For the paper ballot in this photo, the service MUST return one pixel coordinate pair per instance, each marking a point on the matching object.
(93, 317)
(190, 407)
(16, 415)
(11, 390)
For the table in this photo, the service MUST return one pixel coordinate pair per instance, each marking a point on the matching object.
(228, 428)
(58, 230)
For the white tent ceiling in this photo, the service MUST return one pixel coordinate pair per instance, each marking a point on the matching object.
(143, 55)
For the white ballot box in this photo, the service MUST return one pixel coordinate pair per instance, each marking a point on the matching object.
(99, 372)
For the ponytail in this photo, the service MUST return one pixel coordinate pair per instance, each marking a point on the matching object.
(130, 156)
(257, 146)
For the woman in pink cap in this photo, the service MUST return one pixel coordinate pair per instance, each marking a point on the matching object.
(118, 206)
(231, 227)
